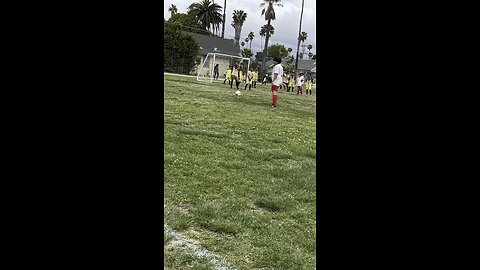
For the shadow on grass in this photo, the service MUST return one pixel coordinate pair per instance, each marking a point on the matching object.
(273, 204)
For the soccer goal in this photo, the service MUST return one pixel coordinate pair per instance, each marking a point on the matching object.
(205, 71)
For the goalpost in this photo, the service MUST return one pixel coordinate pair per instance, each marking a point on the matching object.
(205, 70)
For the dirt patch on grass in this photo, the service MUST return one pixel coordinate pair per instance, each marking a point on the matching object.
(186, 207)
(258, 209)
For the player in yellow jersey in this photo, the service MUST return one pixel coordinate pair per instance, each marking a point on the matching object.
(249, 79)
(255, 77)
(308, 85)
(228, 75)
(291, 83)
(236, 75)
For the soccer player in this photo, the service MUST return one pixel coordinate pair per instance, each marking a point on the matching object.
(264, 79)
(228, 75)
(277, 79)
(249, 79)
(236, 75)
(255, 78)
(308, 85)
(300, 80)
(291, 83)
(285, 82)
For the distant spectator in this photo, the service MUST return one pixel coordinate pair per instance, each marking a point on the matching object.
(215, 72)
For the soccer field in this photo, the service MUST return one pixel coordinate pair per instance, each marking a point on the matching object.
(239, 178)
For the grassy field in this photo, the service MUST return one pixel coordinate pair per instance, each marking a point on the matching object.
(239, 175)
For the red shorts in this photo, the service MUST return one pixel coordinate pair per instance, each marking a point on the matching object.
(275, 87)
(299, 88)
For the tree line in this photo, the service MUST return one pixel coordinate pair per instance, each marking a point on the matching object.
(205, 17)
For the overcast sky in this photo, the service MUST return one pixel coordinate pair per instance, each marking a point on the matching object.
(286, 23)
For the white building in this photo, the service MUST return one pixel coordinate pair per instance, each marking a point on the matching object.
(213, 44)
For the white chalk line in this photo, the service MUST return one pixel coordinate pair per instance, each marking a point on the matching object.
(200, 252)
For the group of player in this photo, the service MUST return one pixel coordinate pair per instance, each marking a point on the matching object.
(289, 81)
(237, 73)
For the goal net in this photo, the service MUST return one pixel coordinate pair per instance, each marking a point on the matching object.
(205, 72)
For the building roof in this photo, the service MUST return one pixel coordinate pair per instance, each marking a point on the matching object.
(209, 43)
(303, 64)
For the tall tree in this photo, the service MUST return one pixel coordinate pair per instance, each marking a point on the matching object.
(187, 23)
(180, 50)
(269, 13)
(239, 17)
(268, 29)
(243, 43)
(289, 50)
(298, 45)
(223, 21)
(262, 34)
(310, 55)
(277, 50)
(207, 13)
(263, 31)
(173, 10)
(309, 47)
(303, 36)
(289, 63)
(250, 37)
(246, 52)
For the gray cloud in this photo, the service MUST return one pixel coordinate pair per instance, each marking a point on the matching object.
(286, 25)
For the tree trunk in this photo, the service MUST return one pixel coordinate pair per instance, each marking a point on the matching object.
(238, 30)
(223, 23)
(298, 45)
(267, 37)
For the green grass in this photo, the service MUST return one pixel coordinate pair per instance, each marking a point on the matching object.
(179, 259)
(240, 175)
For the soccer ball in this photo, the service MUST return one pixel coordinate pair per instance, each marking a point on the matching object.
(237, 93)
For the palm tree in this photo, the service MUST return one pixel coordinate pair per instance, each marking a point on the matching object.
(269, 13)
(207, 14)
(298, 45)
(223, 21)
(289, 50)
(246, 40)
(239, 17)
(262, 34)
(268, 29)
(289, 61)
(309, 47)
(243, 44)
(310, 55)
(246, 52)
(250, 37)
(303, 36)
(172, 9)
